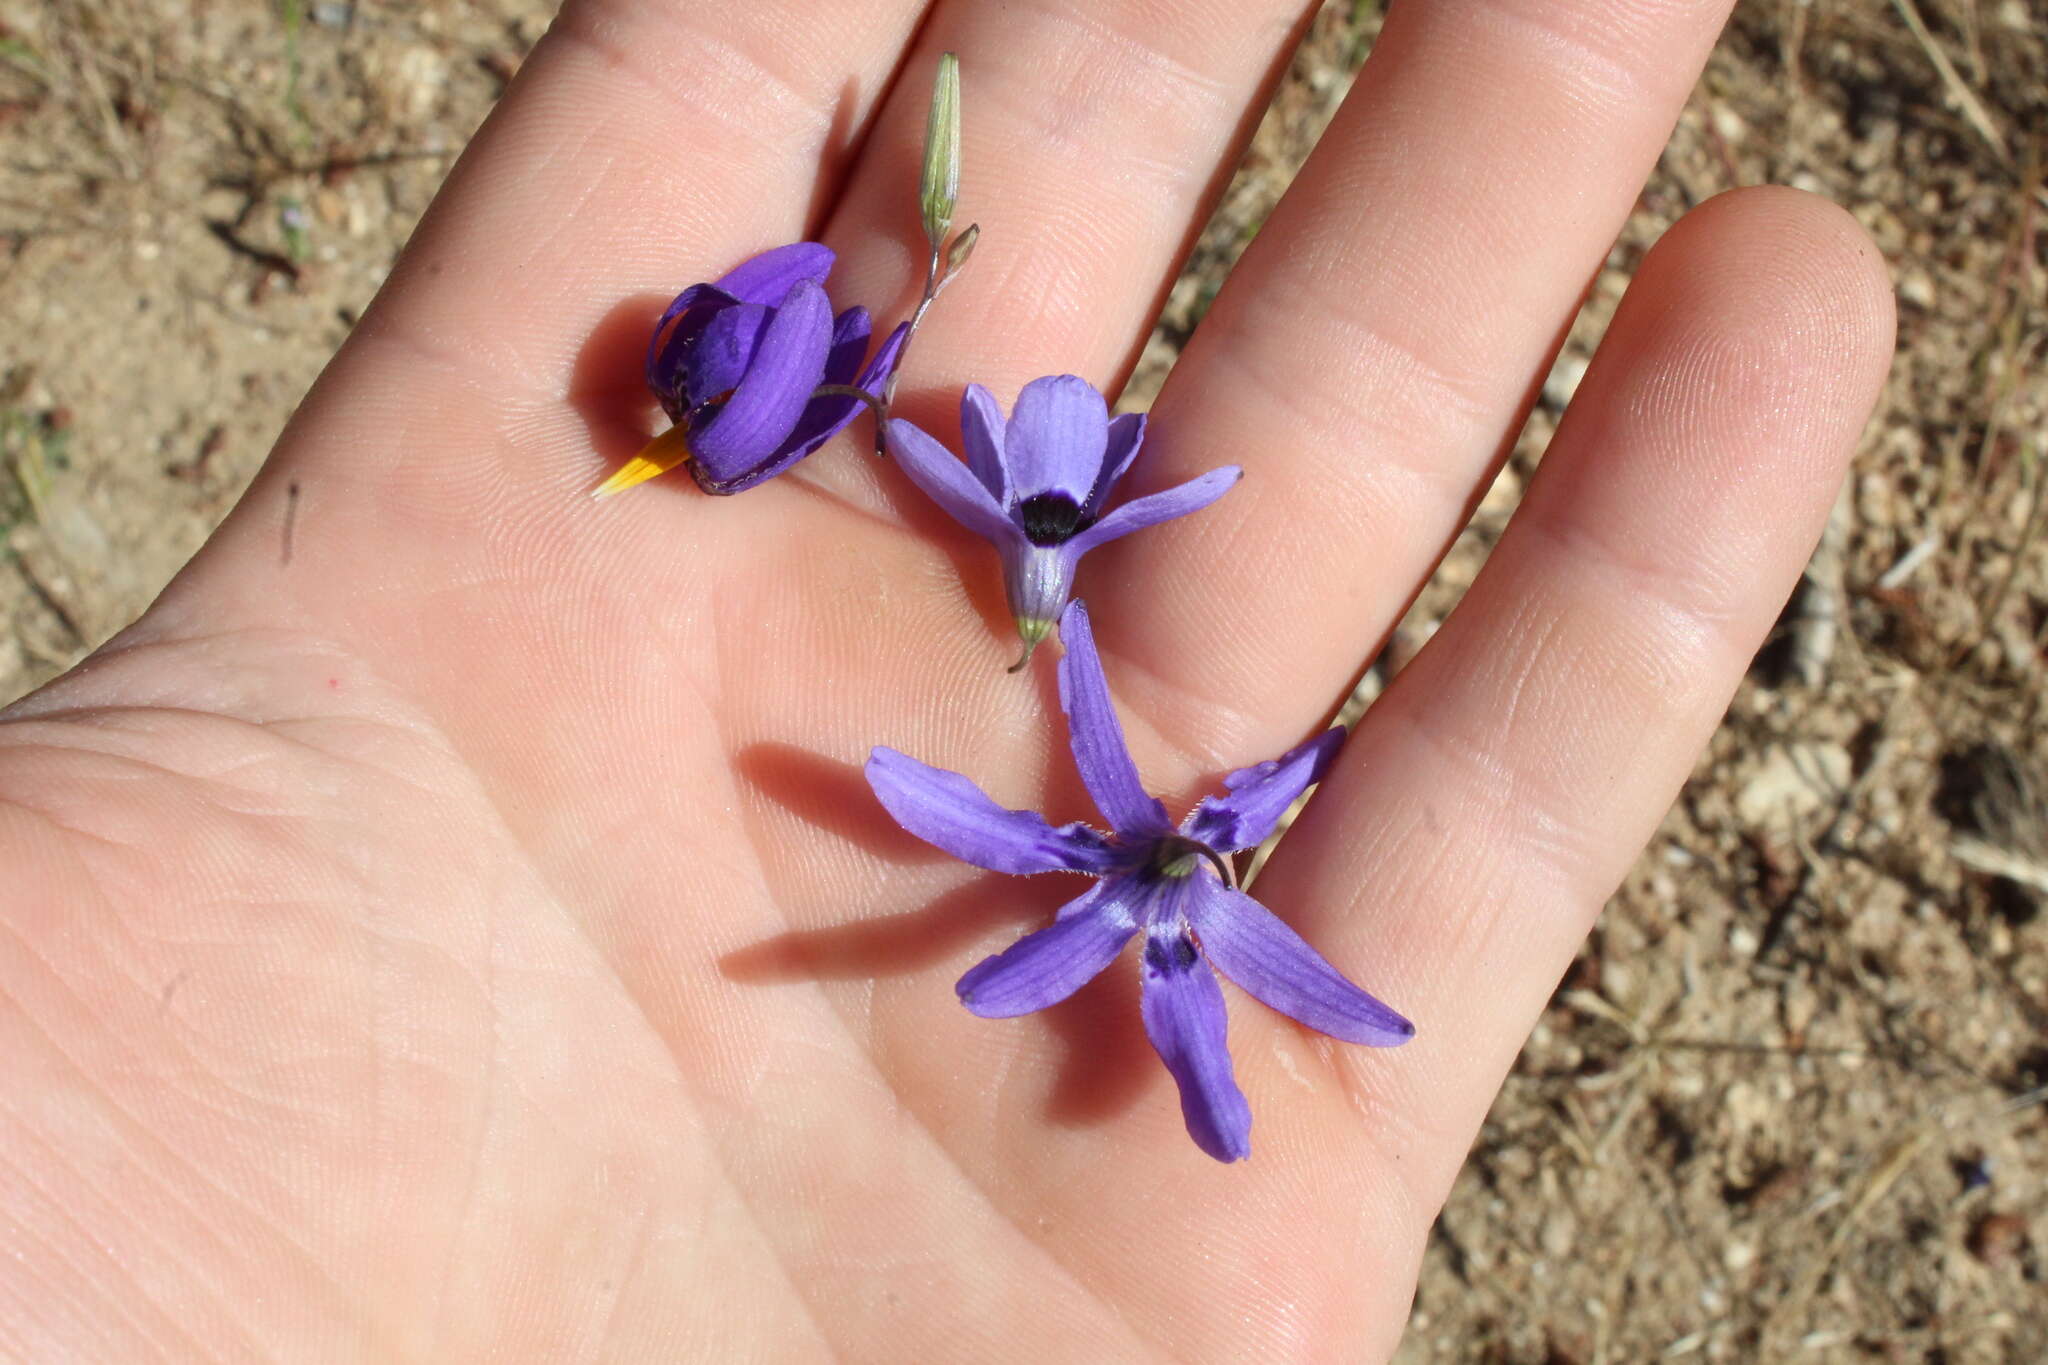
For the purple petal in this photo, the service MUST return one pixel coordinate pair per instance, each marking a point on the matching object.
(666, 347)
(1055, 439)
(981, 431)
(1177, 501)
(1275, 965)
(1097, 737)
(884, 364)
(743, 435)
(724, 350)
(948, 483)
(825, 418)
(1126, 435)
(947, 811)
(850, 333)
(769, 277)
(1184, 1017)
(1046, 967)
(1260, 795)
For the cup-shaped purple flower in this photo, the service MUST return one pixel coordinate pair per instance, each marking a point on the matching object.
(737, 365)
(1169, 883)
(1039, 486)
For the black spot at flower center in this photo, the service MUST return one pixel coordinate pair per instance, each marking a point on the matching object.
(1052, 518)
(1163, 957)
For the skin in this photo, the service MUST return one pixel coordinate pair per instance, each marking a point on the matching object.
(473, 937)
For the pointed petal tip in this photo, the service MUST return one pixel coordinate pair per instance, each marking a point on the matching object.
(1231, 1150)
(967, 988)
(768, 277)
(1274, 965)
(1046, 966)
(949, 812)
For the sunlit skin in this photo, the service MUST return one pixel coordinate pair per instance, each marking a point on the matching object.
(474, 938)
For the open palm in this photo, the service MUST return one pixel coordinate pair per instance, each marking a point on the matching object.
(457, 926)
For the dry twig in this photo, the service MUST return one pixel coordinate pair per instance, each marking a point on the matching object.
(1959, 89)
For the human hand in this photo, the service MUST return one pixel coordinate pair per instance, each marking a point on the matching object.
(474, 935)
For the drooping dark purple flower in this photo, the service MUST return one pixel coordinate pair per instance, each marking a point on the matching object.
(1155, 879)
(737, 365)
(1039, 486)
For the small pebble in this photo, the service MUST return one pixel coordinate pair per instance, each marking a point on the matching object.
(1998, 1239)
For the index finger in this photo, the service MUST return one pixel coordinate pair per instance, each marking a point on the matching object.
(639, 144)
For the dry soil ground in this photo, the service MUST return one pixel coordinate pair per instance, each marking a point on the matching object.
(1788, 1103)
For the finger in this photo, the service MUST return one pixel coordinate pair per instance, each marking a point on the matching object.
(1093, 135)
(1095, 138)
(1374, 351)
(428, 484)
(642, 147)
(1493, 798)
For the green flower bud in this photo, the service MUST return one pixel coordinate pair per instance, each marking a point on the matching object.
(963, 247)
(938, 189)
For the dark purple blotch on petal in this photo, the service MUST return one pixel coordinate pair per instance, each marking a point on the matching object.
(1259, 795)
(1176, 955)
(1184, 1016)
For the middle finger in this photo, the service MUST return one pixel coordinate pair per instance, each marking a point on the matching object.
(1376, 349)
(1095, 137)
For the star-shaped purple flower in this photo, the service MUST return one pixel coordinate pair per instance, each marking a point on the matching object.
(737, 365)
(1153, 878)
(1039, 486)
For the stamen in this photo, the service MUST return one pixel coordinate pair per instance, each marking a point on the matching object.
(658, 456)
(1175, 856)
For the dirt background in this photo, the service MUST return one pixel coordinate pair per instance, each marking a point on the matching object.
(1788, 1105)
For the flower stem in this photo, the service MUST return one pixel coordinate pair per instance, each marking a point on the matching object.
(878, 406)
(935, 282)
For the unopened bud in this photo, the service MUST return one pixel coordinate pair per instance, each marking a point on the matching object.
(963, 247)
(938, 189)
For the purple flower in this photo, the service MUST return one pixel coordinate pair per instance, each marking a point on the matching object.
(1154, 878)
(1039, 486)
(737, 365)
